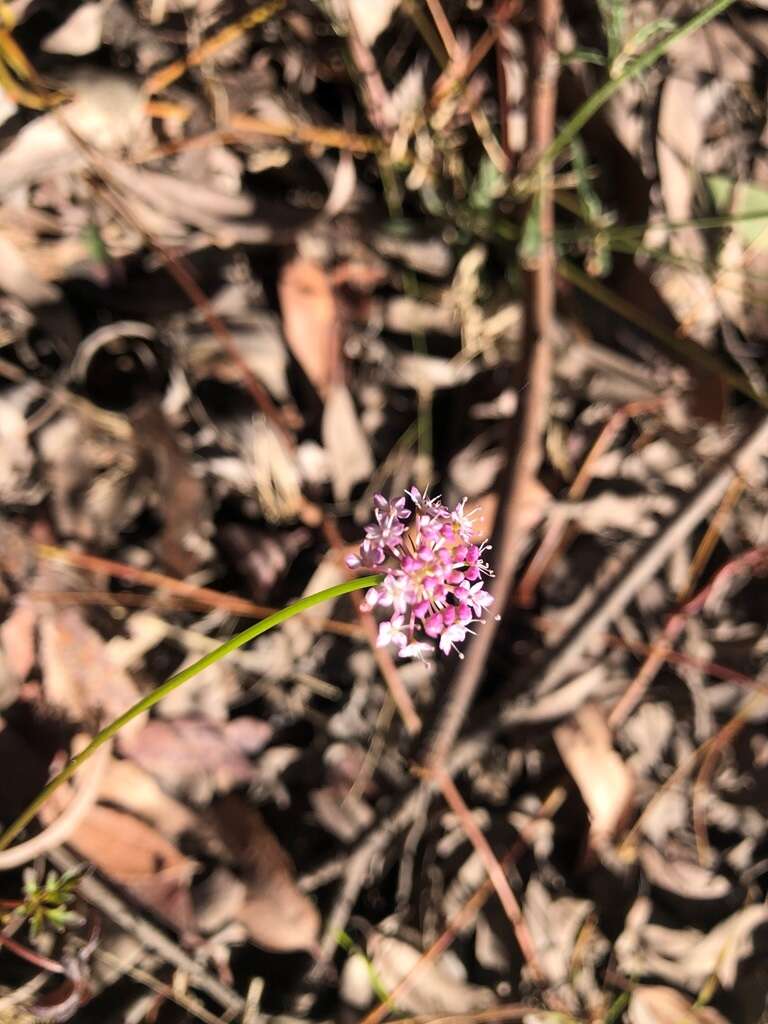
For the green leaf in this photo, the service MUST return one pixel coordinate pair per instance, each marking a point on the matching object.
(583, 55)
(530, 243)
(746, 202)
(489, 184)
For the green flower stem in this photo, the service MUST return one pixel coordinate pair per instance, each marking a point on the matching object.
(174, 683)
(600, 96)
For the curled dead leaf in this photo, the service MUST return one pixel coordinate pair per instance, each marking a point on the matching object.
(659, 1004)
(683, 878)
(349, 452)
(434, 989)
(132, 789)
(79, 675)
(139, 859)
(191, 756)
(310, 321)
(17, 640)
(276, 914)
(605, 782)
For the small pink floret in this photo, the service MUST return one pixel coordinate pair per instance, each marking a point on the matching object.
(434, 582)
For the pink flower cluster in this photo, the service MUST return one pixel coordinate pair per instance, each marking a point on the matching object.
(434, 574)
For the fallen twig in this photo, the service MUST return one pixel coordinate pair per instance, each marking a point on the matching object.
(469, 911)
(525, 442)
(203, 596)
(496, 874)
(99, 895)
(612, 602)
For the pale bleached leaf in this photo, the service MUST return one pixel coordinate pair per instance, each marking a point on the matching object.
(80, 33)
(434, 989)
(349, 451)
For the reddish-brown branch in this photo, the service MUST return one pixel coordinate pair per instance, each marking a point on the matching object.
(203, 596)
(495, 873)
(443, 27)
(43, 962)
(755, 558)
(468, 912)
(460, 70)
(525, 443)
(553, 541)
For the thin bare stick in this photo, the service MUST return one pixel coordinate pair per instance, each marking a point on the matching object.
(496, 874)
(755, 558)
(240, 126)
(525, 442)
(443, 27)
(611, 602)
(459, 70)
(377, 101)
(713, 533)
(204, 596)
(720, 743)
(43, 962)
(500, 15)
(512, 1011)
(224, 37)
(554, 537)
(98, 894)
(469, 911)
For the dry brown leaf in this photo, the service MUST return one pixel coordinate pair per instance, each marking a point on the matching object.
(129, 787)
(310, 321)
(95, 488)
(262, 556)
(605, 782)
(16, 458)
(277, 915)
(554, 925)
(192, 756)
(737, 938)
(659, 1004)
(178, 492)
(535, 500)
(405, 315)
(17, 559)
(720, 49)
(685, 956)
(18, 275)
(680, 133)
(340, 812)
(218, 900)
(17, 639)
(31, 261)
(139, 859)
(343, 186)
(434, 989)
(79, 676)
(637, 514)
(424, 255)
